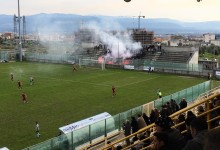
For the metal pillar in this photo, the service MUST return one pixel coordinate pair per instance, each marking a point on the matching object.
(19, 31)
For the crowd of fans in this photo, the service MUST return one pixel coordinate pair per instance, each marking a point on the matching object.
(163, 137)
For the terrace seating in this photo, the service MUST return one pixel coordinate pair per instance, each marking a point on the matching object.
(203, 100)
(170, 54)
(175, 57)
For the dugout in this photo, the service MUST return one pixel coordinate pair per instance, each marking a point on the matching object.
(88, 130)
(4, 148)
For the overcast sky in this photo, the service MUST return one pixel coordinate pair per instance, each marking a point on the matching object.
(183, 10)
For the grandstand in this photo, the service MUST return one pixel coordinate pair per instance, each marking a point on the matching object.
(174, 55)
(209, 101)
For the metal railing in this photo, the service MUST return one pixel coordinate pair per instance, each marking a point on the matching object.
(202, 99)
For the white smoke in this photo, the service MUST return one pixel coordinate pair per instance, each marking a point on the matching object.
(17, 72)
(119, 43)
(53, 35)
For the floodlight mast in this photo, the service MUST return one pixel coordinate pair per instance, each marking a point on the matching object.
(19, 31)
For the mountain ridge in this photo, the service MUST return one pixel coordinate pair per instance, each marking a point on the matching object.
(69, 23)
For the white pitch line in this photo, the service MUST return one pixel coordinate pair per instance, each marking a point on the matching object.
(101, 75)
(75, 81)
(186, 77)
(12, 93)
(138, 81)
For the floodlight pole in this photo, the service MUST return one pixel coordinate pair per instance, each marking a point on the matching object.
(19, 32)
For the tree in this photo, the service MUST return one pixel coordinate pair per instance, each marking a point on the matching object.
(1, 40)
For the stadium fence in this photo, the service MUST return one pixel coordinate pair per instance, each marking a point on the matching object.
(135, 64)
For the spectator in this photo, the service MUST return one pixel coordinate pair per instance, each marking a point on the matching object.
(154, 115)
(200, 110)
(127, 131)
(164, 111)
(174, 106)
(177, 106)
(198, 128)
(212, 140)
(140, 121)
(146, 135)
(183, 103)
(217, 112)
(134, 124)
(190, 114)
(190, 117)
(119, 147)
(134, 140)
(168, 106)
(181, 118)
(160, 139)
(140, 144)
(175, 141)
(109, 143)
(146, 119)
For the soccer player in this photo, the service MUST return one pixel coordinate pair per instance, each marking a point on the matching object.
(74, 67)
(209, 76)
(37, 129)
(31, 80)
(19, 84)
(113, 91)
(12, 77)
(24, 97)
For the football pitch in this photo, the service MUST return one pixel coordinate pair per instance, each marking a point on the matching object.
(60, 96)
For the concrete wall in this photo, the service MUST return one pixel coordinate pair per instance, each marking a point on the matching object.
(195, 57)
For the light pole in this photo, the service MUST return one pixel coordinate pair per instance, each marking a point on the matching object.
(19, 32)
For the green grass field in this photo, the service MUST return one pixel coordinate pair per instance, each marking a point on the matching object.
(60, 96)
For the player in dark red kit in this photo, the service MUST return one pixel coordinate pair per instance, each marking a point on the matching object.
(74, 67)
(113, 91)
(12, 77)
(19, 84)
(24, 97)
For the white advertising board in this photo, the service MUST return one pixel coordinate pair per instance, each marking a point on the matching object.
(146, 68)
(128, 67)
(217, 73)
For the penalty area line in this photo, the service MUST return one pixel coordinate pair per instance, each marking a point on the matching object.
(59, 79)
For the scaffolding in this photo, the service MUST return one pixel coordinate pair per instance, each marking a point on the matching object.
(143, 36)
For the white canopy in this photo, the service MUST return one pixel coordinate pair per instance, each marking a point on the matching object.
(80, 124)
(4, 148)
